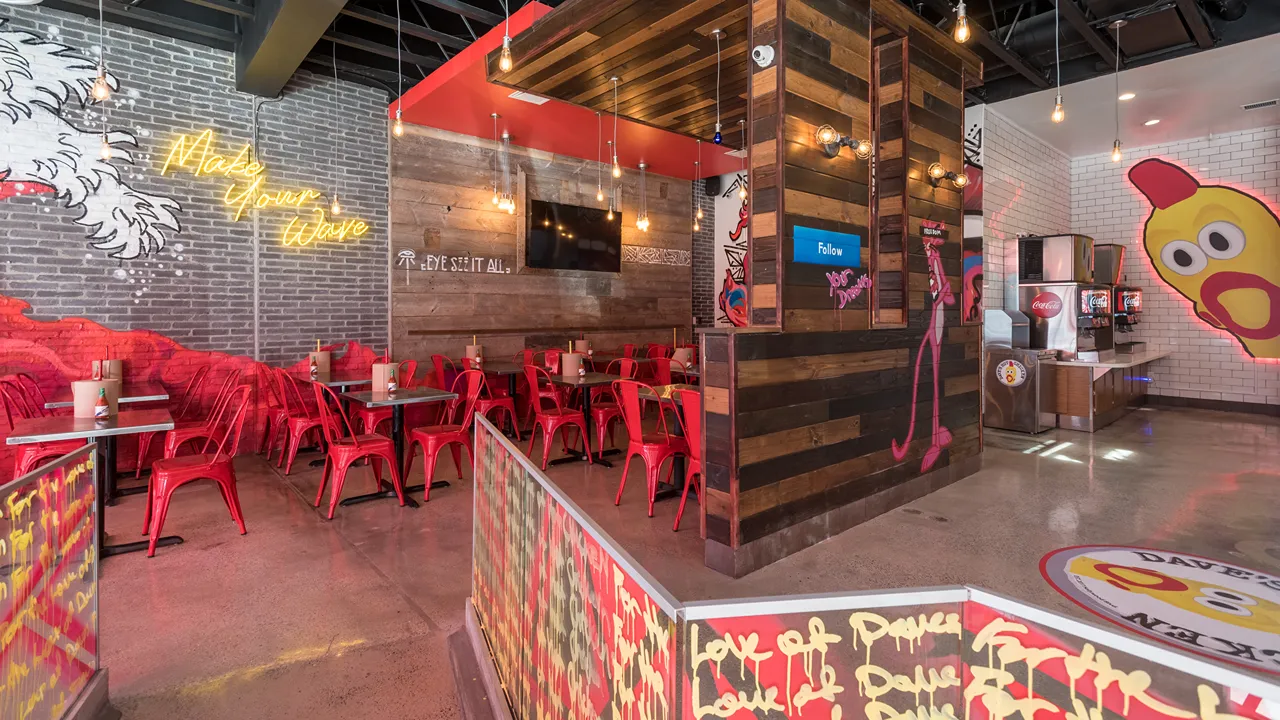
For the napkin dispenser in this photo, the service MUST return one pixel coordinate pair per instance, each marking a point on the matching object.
(108, 369)
(581, 346)
(474, 351)
(381, 373)
(684, 356)
(84, 395)
(570, 363)
(321, 359)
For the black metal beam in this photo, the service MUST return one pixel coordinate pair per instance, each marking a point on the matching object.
(465, 10)
(411, 29)
(1195, 22)
(1076, 17)
(369, 46)
(126, 13)
(322, 67)
(244, 10)
(277, 39)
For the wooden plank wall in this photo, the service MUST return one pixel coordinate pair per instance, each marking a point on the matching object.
(814, 410)
(442, 203)
(889, 247)
(763, 120)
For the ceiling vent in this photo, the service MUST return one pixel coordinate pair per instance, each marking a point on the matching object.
(1260, 105)
(739, 153)
(528, 97)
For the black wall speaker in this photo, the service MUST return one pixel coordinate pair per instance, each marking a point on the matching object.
(712, 185)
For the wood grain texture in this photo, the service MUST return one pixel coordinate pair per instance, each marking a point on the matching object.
(442, 204)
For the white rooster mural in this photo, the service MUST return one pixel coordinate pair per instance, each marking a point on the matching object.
(39, 80)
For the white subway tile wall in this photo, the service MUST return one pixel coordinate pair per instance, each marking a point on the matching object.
(1206, 363)
(1026, 191)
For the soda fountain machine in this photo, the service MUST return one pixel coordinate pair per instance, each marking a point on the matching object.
(1126, 300)
(1069, 312)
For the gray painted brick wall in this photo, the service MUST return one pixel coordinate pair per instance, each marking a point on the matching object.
(704, 268)
(199, 289)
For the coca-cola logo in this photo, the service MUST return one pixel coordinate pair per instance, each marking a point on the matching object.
(1093, 301)
(1046, 305)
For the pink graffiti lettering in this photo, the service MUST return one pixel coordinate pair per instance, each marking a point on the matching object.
(840, 286)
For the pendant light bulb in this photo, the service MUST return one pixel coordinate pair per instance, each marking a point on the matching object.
(699, 214)
(718, 138)
(742, 192)
(599, 194)
(1116, 155)
(617, 169)
(101, 89)
(962, 24)
(610, 215)
(1058, 113)
(335, 208)
(504, 61)
(696, 226)
(105, 151)
(397, 127)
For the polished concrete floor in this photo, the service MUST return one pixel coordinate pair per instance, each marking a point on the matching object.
(305, 617)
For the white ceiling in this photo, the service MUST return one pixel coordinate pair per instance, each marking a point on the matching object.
(1193, 96)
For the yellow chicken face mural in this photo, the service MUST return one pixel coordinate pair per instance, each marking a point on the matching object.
(1219, 248)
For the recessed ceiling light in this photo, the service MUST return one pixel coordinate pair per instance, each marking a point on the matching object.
(1151, 122)
(1128, 96)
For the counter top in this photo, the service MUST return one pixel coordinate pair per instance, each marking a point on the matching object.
(1121, 362)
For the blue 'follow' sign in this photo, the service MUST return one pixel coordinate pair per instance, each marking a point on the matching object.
(824, 247)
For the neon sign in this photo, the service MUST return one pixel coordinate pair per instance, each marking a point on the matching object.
(248, 190)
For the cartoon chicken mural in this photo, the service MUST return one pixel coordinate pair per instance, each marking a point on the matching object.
(1219, 248)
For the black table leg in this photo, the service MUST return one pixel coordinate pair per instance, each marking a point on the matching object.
(667, 491)
(397, 437)
(512, 386)
(107, 458)
(575, 455)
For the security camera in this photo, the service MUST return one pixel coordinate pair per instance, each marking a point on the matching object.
(763, 55)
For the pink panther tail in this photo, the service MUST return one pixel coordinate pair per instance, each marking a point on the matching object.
(900, 451)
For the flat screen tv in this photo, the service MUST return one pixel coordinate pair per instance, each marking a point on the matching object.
(569, 237)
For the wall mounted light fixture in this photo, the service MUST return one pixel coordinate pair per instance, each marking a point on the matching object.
(831, 141)
(937, 174)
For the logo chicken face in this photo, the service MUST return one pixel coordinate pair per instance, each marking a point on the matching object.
(1219, 248)
(1224, 604)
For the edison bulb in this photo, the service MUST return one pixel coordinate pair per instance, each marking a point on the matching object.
(1116, 155)
(742, 192)
(863, 150)
(827, 135)
(1058, 113)
(599, 195)
(610, 215)
(397, 127)
(696, 226)
(496, 199)
(962, 30)
(617, 169)
(335, 208)
(960, 180)
(504, 60)
(101, 90)
(936, 171)
(699, 214)
(105, 151)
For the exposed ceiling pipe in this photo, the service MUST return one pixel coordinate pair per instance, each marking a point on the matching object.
(1230, 10)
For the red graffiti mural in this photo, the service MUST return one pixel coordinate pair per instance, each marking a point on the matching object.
(56, 352)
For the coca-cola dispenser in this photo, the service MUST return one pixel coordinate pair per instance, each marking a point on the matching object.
(1069, 313)
(1128, 307)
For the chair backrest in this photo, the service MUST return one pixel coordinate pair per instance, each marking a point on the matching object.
(34, 393)
(438, 362)
(405, 372)
(224, 394)
(628, 394)
(16, 396)
(622, 367)
(274, 391)
(228, 423)
(467, 386)
(533, 374)
(658, 351)
(331, 411)
(629, 350)
(190, 397)
(522, 358)
(553, 361)
(661, 371)
(690, 402)
(295, 404)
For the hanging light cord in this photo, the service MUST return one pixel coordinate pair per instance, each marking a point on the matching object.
(599, 161)
(1117, 74)
(399, 65)
(1057, 40)
(717, 81)
(333, 168)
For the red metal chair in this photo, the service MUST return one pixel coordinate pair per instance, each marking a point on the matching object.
(406, 373)
(652, 448)
(305, 420)
(170, 474)
(454, 432)
(190, 402)
(538, 392)
(629, 350)
(690, 418)
(605, 410)
(183, 433)
(494, 406)
(277, 417)
(32, 455)
(557, 418)
(346, 447)
(658, 351)
(443, 379)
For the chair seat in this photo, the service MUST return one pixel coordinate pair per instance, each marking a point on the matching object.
(437, 429)
(605, 408)
(186, 462)
(657, 438)
(371, 441)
